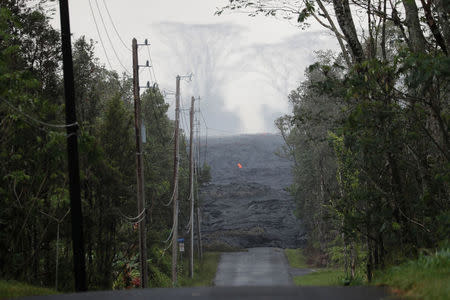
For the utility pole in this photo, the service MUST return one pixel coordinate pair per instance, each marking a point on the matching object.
(175, 184)
(191, 189)
(198, 217)
(199, 235)
(79, 267)
(139, 168)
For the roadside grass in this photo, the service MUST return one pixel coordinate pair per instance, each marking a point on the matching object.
(296, 258)
(204, 271)
(321, 277)
(425, 278)
(13, 289)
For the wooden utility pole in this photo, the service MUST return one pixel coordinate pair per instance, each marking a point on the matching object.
(175, 184)
(199, 234)
(72, 152)
(139, 169)
(198, 216)
(191, 189)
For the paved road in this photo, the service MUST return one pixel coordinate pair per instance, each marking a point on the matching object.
(260, 273)
(257, 267)
(232, 293)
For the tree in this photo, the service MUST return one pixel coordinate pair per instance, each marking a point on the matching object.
(389, 145)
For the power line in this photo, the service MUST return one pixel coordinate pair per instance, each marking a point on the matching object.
(156, 114)
(151, 67)
(224, 131)
(114, 26)
(151, 62)
(186, 127)
(206, 136)
(99, 35)
(136, 219)
(109, 38)
(36, 120)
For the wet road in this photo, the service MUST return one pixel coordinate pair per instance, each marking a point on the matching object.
(232, 293)
(260, 273)
(257, 267)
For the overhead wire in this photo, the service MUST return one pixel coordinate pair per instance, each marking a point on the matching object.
(151, 63)
(158, 110)
(206, 137)
(136, 219)
(114, 26)
(55, 218)
(173, 195)
(36, 120)
(99, 35)
(186, 125)
(224, 131)
(109, 38)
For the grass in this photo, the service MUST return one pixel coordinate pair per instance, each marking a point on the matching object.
(425, 278)
(296, 258)
(13, 289)
(321, 277)
(204, 272)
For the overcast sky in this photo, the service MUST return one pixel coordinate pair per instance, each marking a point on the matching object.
(244, 67)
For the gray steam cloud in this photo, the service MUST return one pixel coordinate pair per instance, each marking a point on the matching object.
(243, 87)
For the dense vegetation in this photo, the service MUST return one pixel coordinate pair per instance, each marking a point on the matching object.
(369, 130)
(369, 136)
(422, 278)
(14, 289)
(34, 200)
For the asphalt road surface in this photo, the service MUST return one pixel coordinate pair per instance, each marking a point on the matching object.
(237, 292)
(260, 273)
(257, 267)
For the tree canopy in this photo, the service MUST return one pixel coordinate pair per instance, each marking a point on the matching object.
(368, 132)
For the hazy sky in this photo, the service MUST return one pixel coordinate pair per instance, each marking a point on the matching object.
(243, 67)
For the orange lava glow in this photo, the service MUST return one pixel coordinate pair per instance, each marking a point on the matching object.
(239, 165)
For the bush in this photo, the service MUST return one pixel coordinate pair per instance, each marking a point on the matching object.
(426, 277)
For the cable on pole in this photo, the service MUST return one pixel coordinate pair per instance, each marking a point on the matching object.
(206, 136)
(173, 194)
(36, 120)
(132, 219)
(109, 38)
(99, 35)
(151, 62)
(114, 26)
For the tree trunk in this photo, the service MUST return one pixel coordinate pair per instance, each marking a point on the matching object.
(369, 259)
(433, 26)
(345, 20)
(416, 39)
(336, 32)
(443, 11)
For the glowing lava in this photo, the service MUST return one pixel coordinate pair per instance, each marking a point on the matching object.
(239, 165)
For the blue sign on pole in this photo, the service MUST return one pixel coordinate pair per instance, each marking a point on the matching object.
(181, 240)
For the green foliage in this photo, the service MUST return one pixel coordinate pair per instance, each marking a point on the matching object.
(322, 277)
(296, 258)
(424, 278)
(33, 174)
(374, 140)
(159, 263)
(14, 289)
(204, 271)
(204, 174)
(158, 278)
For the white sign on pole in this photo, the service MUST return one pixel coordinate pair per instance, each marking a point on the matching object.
(143, 134)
